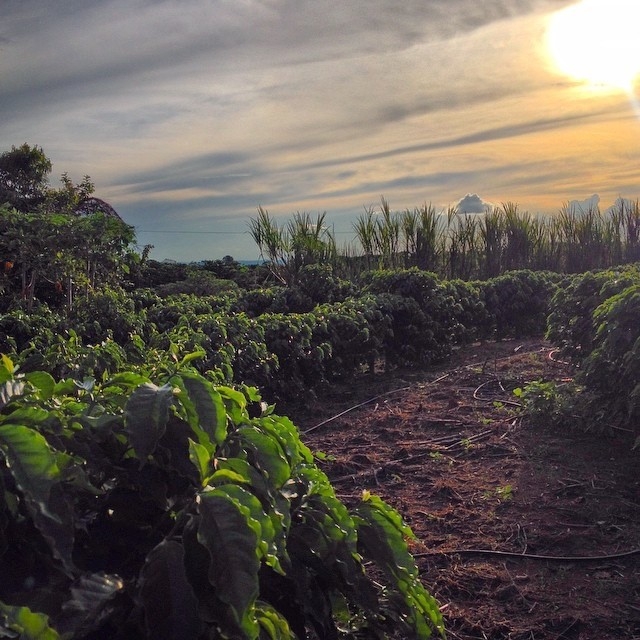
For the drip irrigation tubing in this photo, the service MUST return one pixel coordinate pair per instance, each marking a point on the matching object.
(362, 404)
(513, 403)
(528, 556)
(517, 351)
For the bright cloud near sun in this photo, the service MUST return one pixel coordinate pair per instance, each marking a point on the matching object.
(597, 41)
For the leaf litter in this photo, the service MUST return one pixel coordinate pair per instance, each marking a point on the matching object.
(523, 533)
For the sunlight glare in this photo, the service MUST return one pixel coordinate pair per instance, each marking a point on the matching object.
(597, 41)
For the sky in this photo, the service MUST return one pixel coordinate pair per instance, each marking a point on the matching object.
(188, 115)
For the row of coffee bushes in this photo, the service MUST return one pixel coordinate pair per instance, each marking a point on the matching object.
(594, 321)
(285, 340)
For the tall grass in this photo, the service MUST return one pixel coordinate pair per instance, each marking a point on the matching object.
(288, 248)
(504, 238)
(455, 245)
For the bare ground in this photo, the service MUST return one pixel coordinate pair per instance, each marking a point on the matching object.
(523, 533)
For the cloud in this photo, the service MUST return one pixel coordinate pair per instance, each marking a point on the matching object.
(592, 203)
(472, 203)
(76, 47)
(623, 204)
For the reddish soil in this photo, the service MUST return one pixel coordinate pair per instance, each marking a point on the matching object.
(449, 449)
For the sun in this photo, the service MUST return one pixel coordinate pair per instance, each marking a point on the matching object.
(597, 42)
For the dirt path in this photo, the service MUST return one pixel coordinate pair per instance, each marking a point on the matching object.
(448, 449)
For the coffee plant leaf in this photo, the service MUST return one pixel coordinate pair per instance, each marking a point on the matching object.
(234, 564)
(382, 537)
(43, 382)
(88, 605)
(203, 406)
(146, 415)
(170, 605)
(21, 622)
(273, 626)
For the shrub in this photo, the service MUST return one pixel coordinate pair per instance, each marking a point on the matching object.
(198, 282)
(611, 371)
(469, 317)
(320, 285)
(274, 300)
(106, 313)
(571, 324)
(19, 329)
(421, 313)
(354, 332)
(167, 313)
(519, 302)
(134, 509)
(300, 362)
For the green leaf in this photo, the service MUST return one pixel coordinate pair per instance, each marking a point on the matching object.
(65, 387)
(201, 459)
(234, 566)
(266, 454)
(85, 610)
(190, 357)
(377, 504)
(235, 403)
(287, 436)
(203, 405)
(382, 534)
(239, 467)
(171, 608)
(31, 461)
(145, 418)
(37, 471)
(226, 476)
(43, 382)
(126, 379)
(258, 520)
(328, 537)
(26, 416)
(7, 364)
(273, 626)
(246, 474)
(29, 624)
(7, 369)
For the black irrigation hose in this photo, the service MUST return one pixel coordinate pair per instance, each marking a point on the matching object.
(362, 404)
(494, 399)
(357, 406)
(388, 393)
(530, 556)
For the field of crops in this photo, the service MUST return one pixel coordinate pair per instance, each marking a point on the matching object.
(294, 450)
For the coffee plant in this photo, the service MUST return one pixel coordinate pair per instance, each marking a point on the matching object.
(519, 302)
(177, 508)
(611, 372)
(571, 324)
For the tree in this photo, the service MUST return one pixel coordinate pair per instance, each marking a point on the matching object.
(24, 177)
(62, 238)
(70, 197)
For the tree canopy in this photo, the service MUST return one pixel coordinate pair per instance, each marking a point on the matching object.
(24, 177)
(56, 239)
